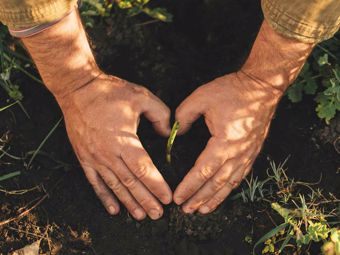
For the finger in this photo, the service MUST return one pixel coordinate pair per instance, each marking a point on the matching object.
(158, 114)
(232, 169)
(207, 164)
(188, 112)
(140, 164)
(143, 196)
(224, 192)
(104, 194)
(212, 186)
(247, 171)
(122, 193)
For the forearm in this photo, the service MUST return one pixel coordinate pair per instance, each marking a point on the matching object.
(274, 59)
(63, 56)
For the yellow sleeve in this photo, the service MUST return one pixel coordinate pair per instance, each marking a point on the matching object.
(17, 14)
(310, 21)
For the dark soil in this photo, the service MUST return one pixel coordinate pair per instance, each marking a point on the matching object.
(206, 39)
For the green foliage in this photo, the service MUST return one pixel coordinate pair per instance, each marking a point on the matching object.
(103, 8)
(322, 68)
(306, 212)
(135, 7)
(306, 84)
(11, 61)
(329, 100)
(94, 8)
(254, 191)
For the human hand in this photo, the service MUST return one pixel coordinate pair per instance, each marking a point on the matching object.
(237, 111)
(101, 115)
(101, 120)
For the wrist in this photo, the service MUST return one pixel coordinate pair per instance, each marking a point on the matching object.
(63, 56)
(275, 60)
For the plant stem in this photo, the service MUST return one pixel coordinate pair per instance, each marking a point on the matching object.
(171, 140)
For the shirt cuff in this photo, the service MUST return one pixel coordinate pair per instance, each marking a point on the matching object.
(305, 20)
(32, 13)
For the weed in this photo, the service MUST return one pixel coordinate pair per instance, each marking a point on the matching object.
(255, 191)
(306, 212)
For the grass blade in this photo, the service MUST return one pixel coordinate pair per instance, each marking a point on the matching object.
(43, 142)
(9, 176)
(171, 140)
(286, 241)
(270, 234)
(8, 106)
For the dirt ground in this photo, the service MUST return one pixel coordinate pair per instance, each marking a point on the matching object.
(207, 38)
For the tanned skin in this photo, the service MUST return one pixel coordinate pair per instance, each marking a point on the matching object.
(102, 115)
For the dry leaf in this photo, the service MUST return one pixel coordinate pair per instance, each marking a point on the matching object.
(31, 249)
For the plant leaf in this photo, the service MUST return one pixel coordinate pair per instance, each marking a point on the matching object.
(270, 234)
(171, 140)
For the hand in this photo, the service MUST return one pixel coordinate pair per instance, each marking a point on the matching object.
(101, 120)
(237, 110)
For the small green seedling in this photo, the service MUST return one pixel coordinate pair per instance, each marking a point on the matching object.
(171, 140)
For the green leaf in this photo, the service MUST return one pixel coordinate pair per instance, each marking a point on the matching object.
(294, 92)
(158, 13)
(326, 111)
(323, 60)
(270, 234)
(287, 239)
(310, 86)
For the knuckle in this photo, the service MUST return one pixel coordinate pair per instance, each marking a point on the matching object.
(217, 183)
(129, 203)
(166, 114)
(145, 202)
(190, 190)
(114, 185)
(206, 173)
(141, 90)
(141, 171)
(130, 182)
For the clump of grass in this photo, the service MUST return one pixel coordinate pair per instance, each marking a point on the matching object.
(255, 190)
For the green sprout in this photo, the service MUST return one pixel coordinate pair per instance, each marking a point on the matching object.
(171, 140)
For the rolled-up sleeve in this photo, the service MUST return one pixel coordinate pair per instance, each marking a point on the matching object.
(17, 14)
(310, 21)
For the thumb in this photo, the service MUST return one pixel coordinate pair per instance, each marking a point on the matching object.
(158, 114)
(187, 113)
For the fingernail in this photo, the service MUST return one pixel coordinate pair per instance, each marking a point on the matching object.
(188, 210)
(166, 200)
(178, 200)
(139, 214)
(204, 209)
(112, 210)
(154, 214)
